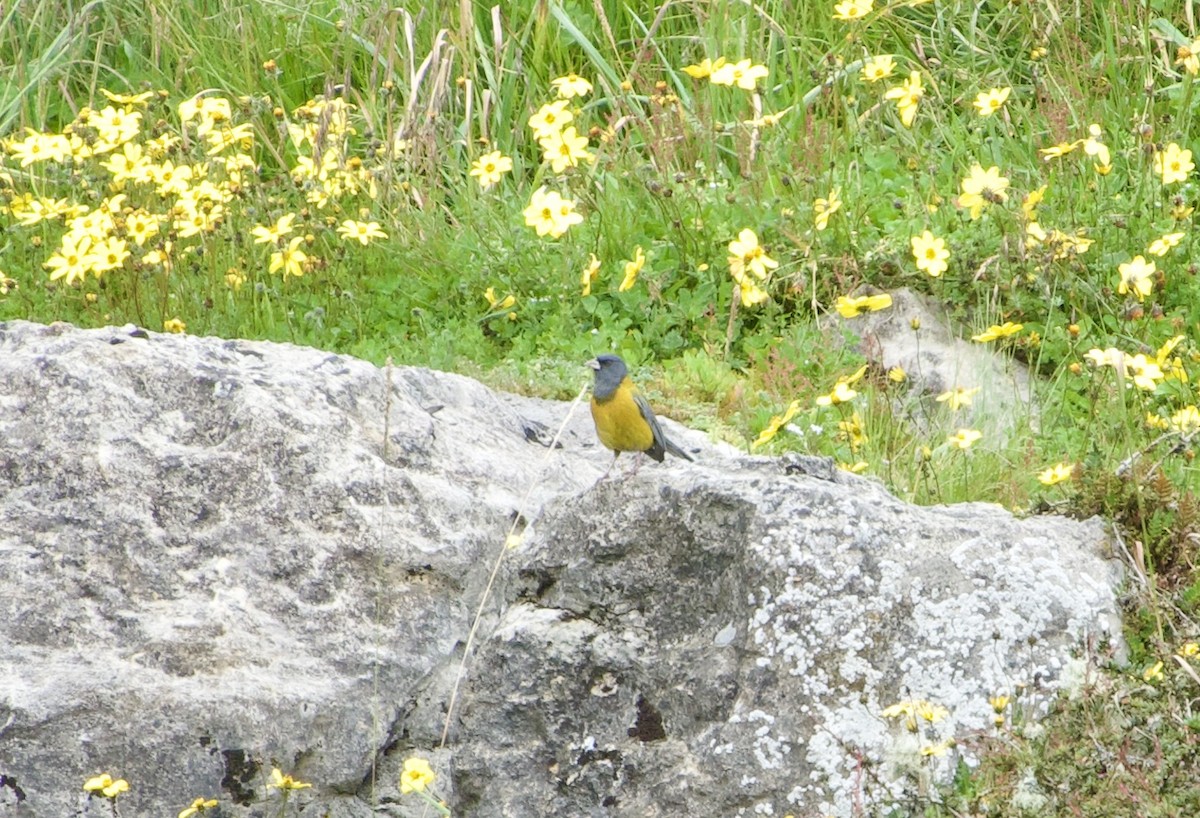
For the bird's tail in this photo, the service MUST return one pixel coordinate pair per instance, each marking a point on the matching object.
(678, 452)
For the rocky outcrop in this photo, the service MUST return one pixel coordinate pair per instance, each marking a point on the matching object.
(916, 335)
(220, 557)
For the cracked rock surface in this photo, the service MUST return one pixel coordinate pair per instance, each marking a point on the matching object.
(219, 557)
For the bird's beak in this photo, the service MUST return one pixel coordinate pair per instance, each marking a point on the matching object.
(593, 364)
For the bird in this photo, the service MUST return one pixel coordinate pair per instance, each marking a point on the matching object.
(624, 420)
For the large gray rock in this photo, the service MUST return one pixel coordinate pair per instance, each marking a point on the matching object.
(219, 557)
(937, 359)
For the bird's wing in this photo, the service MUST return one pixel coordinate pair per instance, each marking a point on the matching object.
(658, 450)
(661, 444)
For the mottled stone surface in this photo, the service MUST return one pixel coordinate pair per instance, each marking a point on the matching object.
(937, 359)
(219, 557)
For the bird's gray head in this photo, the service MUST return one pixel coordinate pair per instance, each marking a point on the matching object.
(610, 371)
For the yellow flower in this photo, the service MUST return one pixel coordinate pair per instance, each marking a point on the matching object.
(291, 259)
(416, 776)
(96, 224)
(842, 393)
(1186, 421)
(930, 253)
(748, 291)
(704, 68)
(550, 214)
(172, 180)
(209, 110)
(850, 10)
(897, 374)
(1174, 366)
(964, 438)
(1153, 673)
(1154, 421)
(1144, 373)
(988, 102)
(550, 119)
(160, 257)
(632, 268)
(776, 423)
(98, 782)
(1173, 164)
(1162, 246)
(824, 208)
(271, 234)
(174, 325)
(1137, 276)
(855, 376)
(194, 220)
(224, 137)
(497, 304)
(982, 187)
(141, 226)
(1189, 649)
(1106, 357)
(572, 85)
(957, 397)
(490, 168)
(1035, 234)
(997, 331)
(745, 253)
(878, 68)
(362, 232)
(1031, 201)
(28, 211)
(915, 709)
(852, 431)
(743, 74)
(198, 806)
(1189, 57)
(907, 95)
(875, 303)
(1059, 150)
(1092, 146)
(590, 273)
(565, 148)
(1062, 243)
(109, 254)
(116, 126)
(998, 703)
(767, 120)
(286, 782)
(1056, 474)
(39, 147)
(106, 786)
(567, 217)
(127, 99)
(850, 307)
(73, 259)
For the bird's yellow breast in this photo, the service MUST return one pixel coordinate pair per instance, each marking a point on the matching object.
(619, 422)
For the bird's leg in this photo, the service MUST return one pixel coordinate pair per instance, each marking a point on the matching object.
(610, 466)
(637, 464)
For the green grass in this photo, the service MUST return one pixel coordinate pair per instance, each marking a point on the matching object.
(679, 173)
